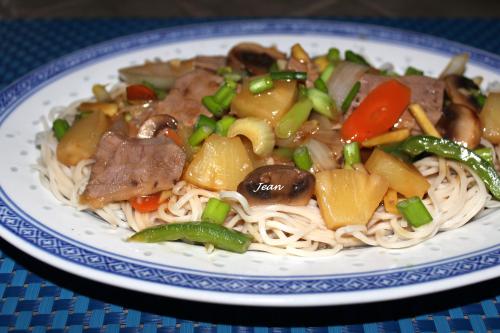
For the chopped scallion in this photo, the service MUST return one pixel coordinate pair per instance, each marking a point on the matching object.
(479, 97)
(352, 155)
(333, 54)
(302, 159)
(413, 71)
(211, 104)
(322, 103)
(199, 135)
(224, 91)
(321, 85)
(60, 127)
(224, 70)
(289, 75)
(356, 58)
(205, 121)
(223, 125)
(346, 104)
(261, 84)
(325, 76)
(215, 211)
(414, 211)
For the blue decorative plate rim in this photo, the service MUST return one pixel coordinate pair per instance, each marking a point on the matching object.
(27, 230)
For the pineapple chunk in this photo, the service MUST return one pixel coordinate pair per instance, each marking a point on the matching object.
(348, 197)
(221, 164)
(402, 177)
(270, 105)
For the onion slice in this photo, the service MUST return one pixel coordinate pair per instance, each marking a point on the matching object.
(321, 155)
(345, 75)
(456, 65)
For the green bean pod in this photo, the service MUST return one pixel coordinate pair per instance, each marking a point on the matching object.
(199, 232)
(417, 145)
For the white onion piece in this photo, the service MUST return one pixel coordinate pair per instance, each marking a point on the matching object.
(321, 156)
(345, 75)
(456, 65)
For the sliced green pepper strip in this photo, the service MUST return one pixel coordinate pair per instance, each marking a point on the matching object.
(346, 104)
(417, 145)
(199, 232)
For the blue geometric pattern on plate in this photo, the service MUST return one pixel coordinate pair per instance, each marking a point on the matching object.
(92, 258)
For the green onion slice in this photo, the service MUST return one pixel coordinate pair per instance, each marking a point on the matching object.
(261, 84)
(302, 159)
(223, 125)
(215, 211)
(199, 135)
(321, 85)
(322, 103)
(205, 121)
(415, 212)
(352, 155)
(346, 104)
(60, 127)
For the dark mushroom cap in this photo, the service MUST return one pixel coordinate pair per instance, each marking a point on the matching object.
(253, 58)
(459, 90)
(277, 184)
(461, 124)
(154, 124)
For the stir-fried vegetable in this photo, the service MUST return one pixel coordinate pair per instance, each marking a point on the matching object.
(322, 103)
(221, 164)
(222, 126)
(344, 77)
(423, 121)
(261, 84)
(81, 140)
(321, 155)
(415, 212)
(302, 159)
(139, 92)
(390, 201)
(378, 112)
(402, 177)
(215, 211)
(199, 232)
(205, 121)
(320, 85)
(485, 153)
(108, 108)
(352, 155)
(410, 70)
(160, 93)
(200, 134)
(288, 75)
(100, 93)
(348, 197)
(59, 128)
(387, 138)
(258, 131)
(146, 203)
(356, 58)
(221, 100)
(456, 65)
(327, 73)
(333, 54)
(293, 119)
(490, 118)
(270, 106)
(346, 104)
(417, 145)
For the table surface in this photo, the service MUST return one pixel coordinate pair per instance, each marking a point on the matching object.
(39, 298)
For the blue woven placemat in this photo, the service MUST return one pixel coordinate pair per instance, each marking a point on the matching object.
(37, 298)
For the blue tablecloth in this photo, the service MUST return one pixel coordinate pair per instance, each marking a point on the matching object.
(38, 298)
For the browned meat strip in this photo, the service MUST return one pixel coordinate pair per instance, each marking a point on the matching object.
(426, 91)
(184, 100)
(129, 167)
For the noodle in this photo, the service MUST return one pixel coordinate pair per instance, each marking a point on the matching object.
(455, 196)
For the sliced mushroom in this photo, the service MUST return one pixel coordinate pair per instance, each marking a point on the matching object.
(459, 89)
(154, 124)
(277, 184)
(253, 58)
(461, 124)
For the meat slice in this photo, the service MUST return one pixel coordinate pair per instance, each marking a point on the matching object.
(210, 63)
(426, 91)
(129, 167)
(184, 100)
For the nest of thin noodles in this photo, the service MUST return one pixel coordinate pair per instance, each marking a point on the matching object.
(456, 195)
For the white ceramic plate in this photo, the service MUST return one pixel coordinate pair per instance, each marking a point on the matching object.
(32, 219)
